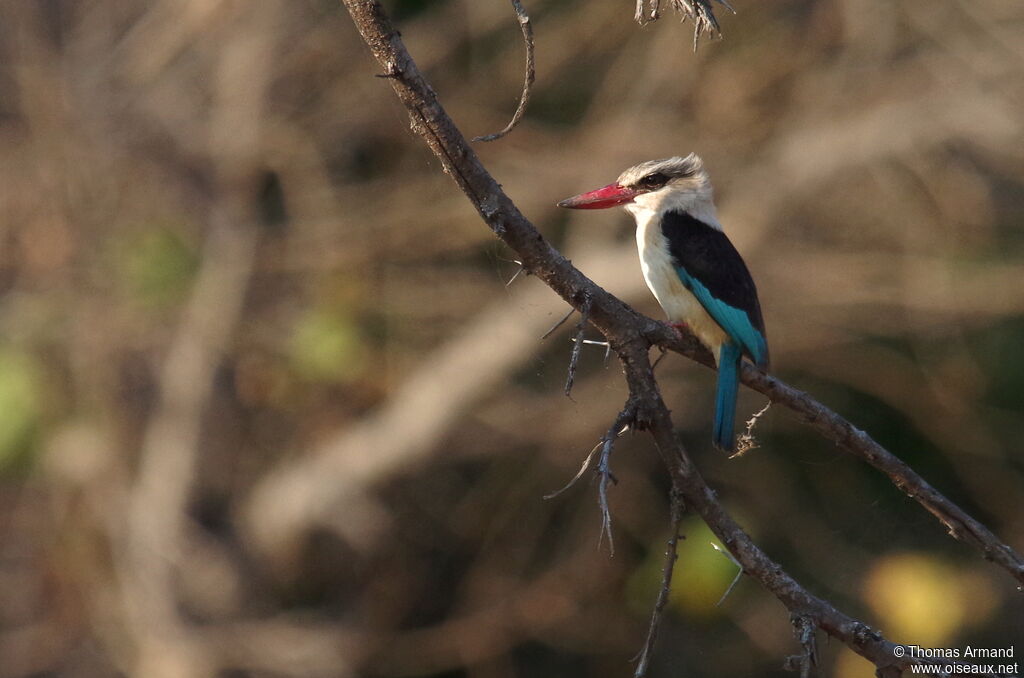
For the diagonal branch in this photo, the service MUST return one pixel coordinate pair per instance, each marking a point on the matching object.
(857, 442)
(631, 335)
(671, 555)
(611, 315)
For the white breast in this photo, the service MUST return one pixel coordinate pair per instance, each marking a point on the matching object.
(678, 303)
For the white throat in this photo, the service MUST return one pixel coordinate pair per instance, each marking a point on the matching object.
(653, 205)
(659, 267)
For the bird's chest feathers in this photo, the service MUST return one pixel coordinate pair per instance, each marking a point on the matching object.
(659, 271)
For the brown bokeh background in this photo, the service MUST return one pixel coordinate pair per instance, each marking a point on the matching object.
(268, 407)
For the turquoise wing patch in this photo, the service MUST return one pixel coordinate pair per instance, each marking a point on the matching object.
(734, 321)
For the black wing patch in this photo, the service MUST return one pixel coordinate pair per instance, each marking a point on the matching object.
(708, 257)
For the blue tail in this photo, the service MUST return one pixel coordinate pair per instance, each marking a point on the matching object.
(725, 401)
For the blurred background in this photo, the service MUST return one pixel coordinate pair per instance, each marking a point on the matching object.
(270, 407)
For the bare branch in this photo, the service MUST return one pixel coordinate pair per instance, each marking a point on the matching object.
(604, 470)
(577, 346)
(671, 555)
(631, 336)
(531, 73)
(837, 429)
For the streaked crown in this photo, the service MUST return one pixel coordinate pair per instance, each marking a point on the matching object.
(678, 183)
(655, 174)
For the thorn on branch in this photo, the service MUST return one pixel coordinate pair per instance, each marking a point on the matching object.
(519, 271)
(736, 579)
(557, 324)
(746, 440)
(531, 74)
(606, 344)
(607, 348)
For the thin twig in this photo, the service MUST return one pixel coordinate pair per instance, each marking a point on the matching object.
(746, 440)
(558, 324)
(604, 472)
(579, 474)
(803, 629)
(518, 272)
(577, 346)
(531, 72)
(664, 352)
(671, 555)
(699, 11)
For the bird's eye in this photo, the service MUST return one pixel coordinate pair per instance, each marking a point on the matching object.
(653, 181)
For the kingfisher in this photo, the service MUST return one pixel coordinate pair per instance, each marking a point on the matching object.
(691, 267)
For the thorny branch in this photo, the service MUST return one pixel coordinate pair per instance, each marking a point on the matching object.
(631, 335)
(577, 345)
(834, 427)
(671, 555)
(604, 470)
(531, 74)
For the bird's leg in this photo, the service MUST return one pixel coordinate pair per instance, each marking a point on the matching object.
(682, 329)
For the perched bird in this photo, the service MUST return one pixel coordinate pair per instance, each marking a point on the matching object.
(693, 270)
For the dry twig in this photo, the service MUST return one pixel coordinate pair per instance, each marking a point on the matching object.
(579, 474)
(531, 73)
(746, 441)
(671, 555)
(803, 629)
(700, 11)
(604, 471)
(577, 345)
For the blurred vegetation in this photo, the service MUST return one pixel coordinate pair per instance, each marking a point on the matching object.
(269, 408)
